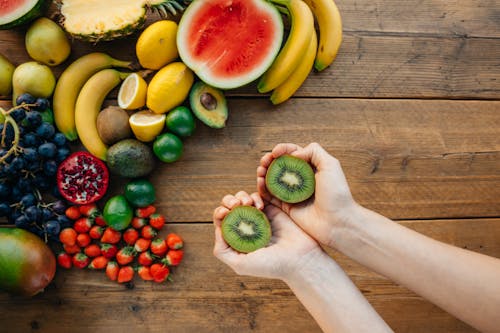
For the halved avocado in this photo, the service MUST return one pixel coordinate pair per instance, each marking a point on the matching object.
(208, 104)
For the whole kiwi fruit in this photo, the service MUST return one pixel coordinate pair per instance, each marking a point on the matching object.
(290, 179)
(246, 229)
(113, 125)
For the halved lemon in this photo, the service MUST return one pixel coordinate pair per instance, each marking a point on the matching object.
(146, 125)
(132, 93)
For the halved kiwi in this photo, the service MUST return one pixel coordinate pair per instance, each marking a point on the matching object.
(290, 179)
(246, 229)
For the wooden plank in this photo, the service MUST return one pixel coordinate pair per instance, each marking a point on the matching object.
(207, 296)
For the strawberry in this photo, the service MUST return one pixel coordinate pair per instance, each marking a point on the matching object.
(145, 258)
(100, 221)
(71, 249)
(144, 273)
(98, 263)
(111, 236)
(92, 251)
(142, 244)
(112, 270)
(82, 240)
(138, 222)
(130, 236)
(68, 236)
(159, 246)
(157, 221)
(109, 250)
(80, 260)
(73, 213)
(174, 241)
(145, 211)
(89, 210)
(64, 260)
(96, 232)
(125, 274)
(174, 257)
(82, 225)
(148, 232)
(159, 272)
(125, 255)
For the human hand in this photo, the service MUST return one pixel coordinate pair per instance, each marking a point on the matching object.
(288, 250)
(331, 206)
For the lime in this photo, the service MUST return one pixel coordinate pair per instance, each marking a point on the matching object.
(180, 121)
(117, 212)
(140, 192)
(168, 147)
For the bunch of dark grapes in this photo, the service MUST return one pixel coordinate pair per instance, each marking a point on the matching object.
(30, 153)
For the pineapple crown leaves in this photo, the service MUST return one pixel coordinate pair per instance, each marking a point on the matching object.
(173, 6)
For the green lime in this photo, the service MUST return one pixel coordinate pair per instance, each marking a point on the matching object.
(180, 121)
(168, 147)
(140, 192)
(117, 212)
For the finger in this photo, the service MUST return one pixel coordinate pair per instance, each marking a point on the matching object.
(316, 155)
(266, 160)
(244, 198)
(223, 251)
(262, 189)
(257, 200)
(261, 171)
(230, 201)
(219, 214)
(285, 148)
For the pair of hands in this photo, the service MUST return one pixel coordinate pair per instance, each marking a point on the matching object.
(297, 228)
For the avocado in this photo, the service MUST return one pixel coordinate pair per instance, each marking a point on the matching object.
(130, 158)
(208, 104)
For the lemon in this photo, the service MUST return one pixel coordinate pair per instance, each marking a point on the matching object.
(157, 45)
(132, 93)
(146, 125)
(169, 87)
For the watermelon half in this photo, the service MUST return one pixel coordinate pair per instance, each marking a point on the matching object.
(18, 12)
(229, 43)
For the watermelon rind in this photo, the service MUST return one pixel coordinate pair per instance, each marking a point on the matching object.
(24, 14)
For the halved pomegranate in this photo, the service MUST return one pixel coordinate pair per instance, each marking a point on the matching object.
(82, 178)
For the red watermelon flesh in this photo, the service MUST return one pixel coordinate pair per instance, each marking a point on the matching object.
(17, 12)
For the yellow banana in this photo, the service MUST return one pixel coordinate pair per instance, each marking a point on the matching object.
(285, 90)
(88, 105)
(302, 27)
(71, 82)
(330, 31)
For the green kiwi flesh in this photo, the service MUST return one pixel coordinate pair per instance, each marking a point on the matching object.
(246, 229)
(290, 179)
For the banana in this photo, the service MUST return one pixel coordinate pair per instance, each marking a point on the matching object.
(330, 31)
(285, 90)
(71, 82)
(88, 105)
(302, 27)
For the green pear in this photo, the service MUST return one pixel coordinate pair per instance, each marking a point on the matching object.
(6, 71)
(33, 78)
(46, 42)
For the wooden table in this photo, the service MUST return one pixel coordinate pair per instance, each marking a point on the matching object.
(410, 107)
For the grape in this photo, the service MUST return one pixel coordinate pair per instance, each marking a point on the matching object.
(4, 190)
(52, 227)
(64, 221)
(45, 130)
(50, 167)
(62, 153)
(42, 104)
(25, 98)
(22, 222)
(28, 200)
(47, 150)
(33, 119)
(18, 163)
(59, 207)
(4, 209)
(59, 140)
(18, 114)
(30, 140)
(33, 213)
(31, 154)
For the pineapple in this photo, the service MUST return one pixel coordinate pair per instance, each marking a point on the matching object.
(102, 20)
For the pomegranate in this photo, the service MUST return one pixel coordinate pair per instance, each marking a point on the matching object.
(82, 178)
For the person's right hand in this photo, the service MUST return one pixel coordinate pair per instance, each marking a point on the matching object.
(331, 206)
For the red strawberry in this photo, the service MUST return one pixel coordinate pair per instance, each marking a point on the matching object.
(144, 273)
(89, 210)
(92, 251)
(145, 211)
(71, 249)
(112, 270)
(159, 272)
(82, 225)
(111, 236)
(82, 240)
(142, 244)
(73, 213)
(125, 274)
(148, 232)
(64, 260)
(80, 260)
(96, 232)
(98, 263)
(125, 255)
(174, 257)
(145, 258)
(174, 241)
(130, 236)
(138, 222)
(157, 221)
(109, 250)
(159, 246)
(100, 221)
(68, 236)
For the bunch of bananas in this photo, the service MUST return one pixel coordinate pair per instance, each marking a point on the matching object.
(302, 50)
(79, 95)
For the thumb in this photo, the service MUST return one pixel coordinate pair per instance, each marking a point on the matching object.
(316, 155)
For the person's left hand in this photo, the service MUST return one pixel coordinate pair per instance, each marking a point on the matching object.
(288, 250)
